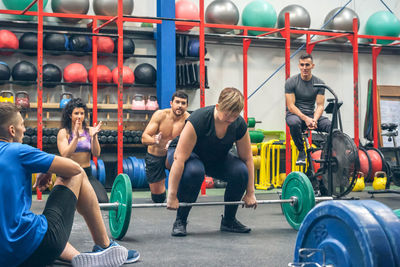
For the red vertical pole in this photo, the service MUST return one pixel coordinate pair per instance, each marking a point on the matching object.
(202, 69)
(94, 85)
(355, 82)
(246, 45)
(375, 53)
(287, 76)
(202, 52)
(40, 83)
(120, 85)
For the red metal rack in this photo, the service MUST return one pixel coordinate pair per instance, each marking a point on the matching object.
(285, 32)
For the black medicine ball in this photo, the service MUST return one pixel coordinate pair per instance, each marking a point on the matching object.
(56, 42)
(29, 41)
(5, 72)
(24, 71)
(51, 73)
(129, 46)
(80, 43)
(145, 74)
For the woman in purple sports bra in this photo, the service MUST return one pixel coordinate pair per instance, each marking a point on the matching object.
(79, 142)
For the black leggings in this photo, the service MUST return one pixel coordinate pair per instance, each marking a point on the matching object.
(59, 212)
(231, 169)
(297, 127)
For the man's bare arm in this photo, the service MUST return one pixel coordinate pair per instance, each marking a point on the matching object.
(149, 134)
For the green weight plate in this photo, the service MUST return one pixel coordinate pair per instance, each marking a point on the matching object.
(121, 192)
(251, 122)
(397, 212)
(297, 185)
(256, 136)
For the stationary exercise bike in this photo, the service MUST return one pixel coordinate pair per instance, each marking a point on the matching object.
(339, 162)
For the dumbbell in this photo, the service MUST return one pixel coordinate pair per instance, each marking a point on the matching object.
(29, 131)
(26, 139)
(102, 139)
(52, 139)
(45, 139)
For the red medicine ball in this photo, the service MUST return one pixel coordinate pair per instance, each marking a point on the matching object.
(127, 75)
(105, 44)
(75, 73)
(8, 40)
(103, 74)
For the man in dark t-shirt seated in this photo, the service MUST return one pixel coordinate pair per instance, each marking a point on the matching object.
(203, 148)
(301, 97)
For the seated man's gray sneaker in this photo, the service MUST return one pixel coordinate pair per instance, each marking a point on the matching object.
(112, 256)
(133, 255)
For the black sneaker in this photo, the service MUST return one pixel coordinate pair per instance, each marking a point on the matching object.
(301, 159)
(179, 228)
(233, 226)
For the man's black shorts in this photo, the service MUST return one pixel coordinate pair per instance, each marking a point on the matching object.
(59, 212)
(155, 168)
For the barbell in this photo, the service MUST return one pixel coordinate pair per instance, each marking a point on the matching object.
(297, 200)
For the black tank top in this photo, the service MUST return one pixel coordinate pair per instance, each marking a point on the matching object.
(209, 147)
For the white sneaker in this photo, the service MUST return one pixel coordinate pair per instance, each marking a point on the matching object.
(110, 257)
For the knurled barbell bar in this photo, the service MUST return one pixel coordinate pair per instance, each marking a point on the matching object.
(297, 200)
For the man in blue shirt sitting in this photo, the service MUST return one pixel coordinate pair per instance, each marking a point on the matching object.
(28, 239)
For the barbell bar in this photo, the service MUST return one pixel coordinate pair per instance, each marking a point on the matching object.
(293, 201)
(297, 200)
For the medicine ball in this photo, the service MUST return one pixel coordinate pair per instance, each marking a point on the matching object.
(81, 43)
(29, 41)
(5, 72)
(145, 74)
(194, 48)
(24, 71)
(103, 74)
(8, 40)
(56, 42)
(75, 73)
(51, 73)
(105, 44)
(127, 75)
(129, 46)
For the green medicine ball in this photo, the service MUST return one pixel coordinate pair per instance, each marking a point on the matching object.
(383, 23)
(21, 5)
(259, 13)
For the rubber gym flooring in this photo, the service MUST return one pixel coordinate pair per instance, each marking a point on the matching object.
(270, 243)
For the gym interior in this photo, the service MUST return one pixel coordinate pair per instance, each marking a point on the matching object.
(126, 58)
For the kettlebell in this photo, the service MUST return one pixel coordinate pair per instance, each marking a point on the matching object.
(22, 99)
(65, 98)
(7, 96)
(380, 180)
(360, 184)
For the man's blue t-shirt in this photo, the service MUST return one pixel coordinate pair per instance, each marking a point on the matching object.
(21, 231)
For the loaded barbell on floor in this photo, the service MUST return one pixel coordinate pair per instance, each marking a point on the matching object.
(297, 200)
